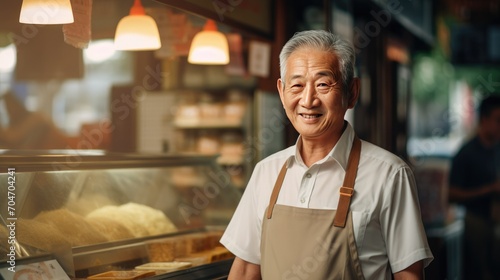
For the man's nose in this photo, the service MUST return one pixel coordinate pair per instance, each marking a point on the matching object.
(308, 98)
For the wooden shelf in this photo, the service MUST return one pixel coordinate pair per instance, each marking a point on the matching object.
(230, 160)
(200, 124)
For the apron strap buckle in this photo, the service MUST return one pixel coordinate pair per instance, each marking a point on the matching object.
(343, 207)
(346, 191)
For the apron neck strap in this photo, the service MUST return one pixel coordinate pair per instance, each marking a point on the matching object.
(346, 191)
(276, 191)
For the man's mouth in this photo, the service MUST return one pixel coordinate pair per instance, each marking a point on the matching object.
(310, 116)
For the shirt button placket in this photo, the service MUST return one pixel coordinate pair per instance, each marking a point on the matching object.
(303, 198)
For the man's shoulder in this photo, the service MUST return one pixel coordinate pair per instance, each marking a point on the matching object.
(376, 154)
(278, 158)
(269, 167)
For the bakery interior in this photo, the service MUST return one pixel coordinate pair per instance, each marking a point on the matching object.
(129, 160)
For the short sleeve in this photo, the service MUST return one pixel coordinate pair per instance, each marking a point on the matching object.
(401, 222)
(242, 235)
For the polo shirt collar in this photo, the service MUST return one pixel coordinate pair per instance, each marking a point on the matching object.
(340, 152)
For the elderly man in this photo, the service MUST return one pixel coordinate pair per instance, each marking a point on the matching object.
(331, 206)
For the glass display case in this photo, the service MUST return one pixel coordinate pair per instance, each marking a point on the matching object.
(94, 212)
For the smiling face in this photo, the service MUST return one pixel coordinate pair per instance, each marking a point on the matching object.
(311, 93)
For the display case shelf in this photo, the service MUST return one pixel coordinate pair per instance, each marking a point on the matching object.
(94, 211)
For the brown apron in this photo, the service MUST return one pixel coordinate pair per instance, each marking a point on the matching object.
(301, 243)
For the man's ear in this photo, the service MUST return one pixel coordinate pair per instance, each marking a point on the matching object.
(279, 85)
(354, 92)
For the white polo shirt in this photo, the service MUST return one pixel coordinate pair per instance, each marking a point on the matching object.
(386, 214)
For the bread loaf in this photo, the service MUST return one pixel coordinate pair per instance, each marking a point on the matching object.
(197, 242)
(214, 238)
(161, 250)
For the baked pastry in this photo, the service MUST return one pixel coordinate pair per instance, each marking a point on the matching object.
(152, 219)
(110, 228)
(161, 250)
(115, 214)
(40, 235)
(140, 220)
(74, 227)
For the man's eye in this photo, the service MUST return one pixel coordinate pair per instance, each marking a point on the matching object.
(323, 86)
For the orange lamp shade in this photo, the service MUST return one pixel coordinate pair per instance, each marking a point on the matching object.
(137, 31)
(209, 46)
(46, 12)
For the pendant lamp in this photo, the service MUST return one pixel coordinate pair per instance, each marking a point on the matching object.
(46, 12)
(137, 31)
(209, 46)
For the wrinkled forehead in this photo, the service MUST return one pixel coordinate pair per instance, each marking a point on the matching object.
(310, 62)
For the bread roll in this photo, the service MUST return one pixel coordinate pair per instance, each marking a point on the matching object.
(40, 235)
(76, 229)
(152, 219)
(111, 229)
(140, 220)
(116, 214)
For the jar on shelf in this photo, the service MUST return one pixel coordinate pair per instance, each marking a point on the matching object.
(232, 149)
(235, 107)
(208, 143)
(188, 110)
(209, 109)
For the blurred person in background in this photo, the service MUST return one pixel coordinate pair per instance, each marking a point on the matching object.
(474, 182)
(22, 129)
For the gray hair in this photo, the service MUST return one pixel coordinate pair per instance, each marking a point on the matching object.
(323, 40)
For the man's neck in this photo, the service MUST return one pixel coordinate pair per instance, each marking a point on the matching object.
(312, 153)
(314, 150)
